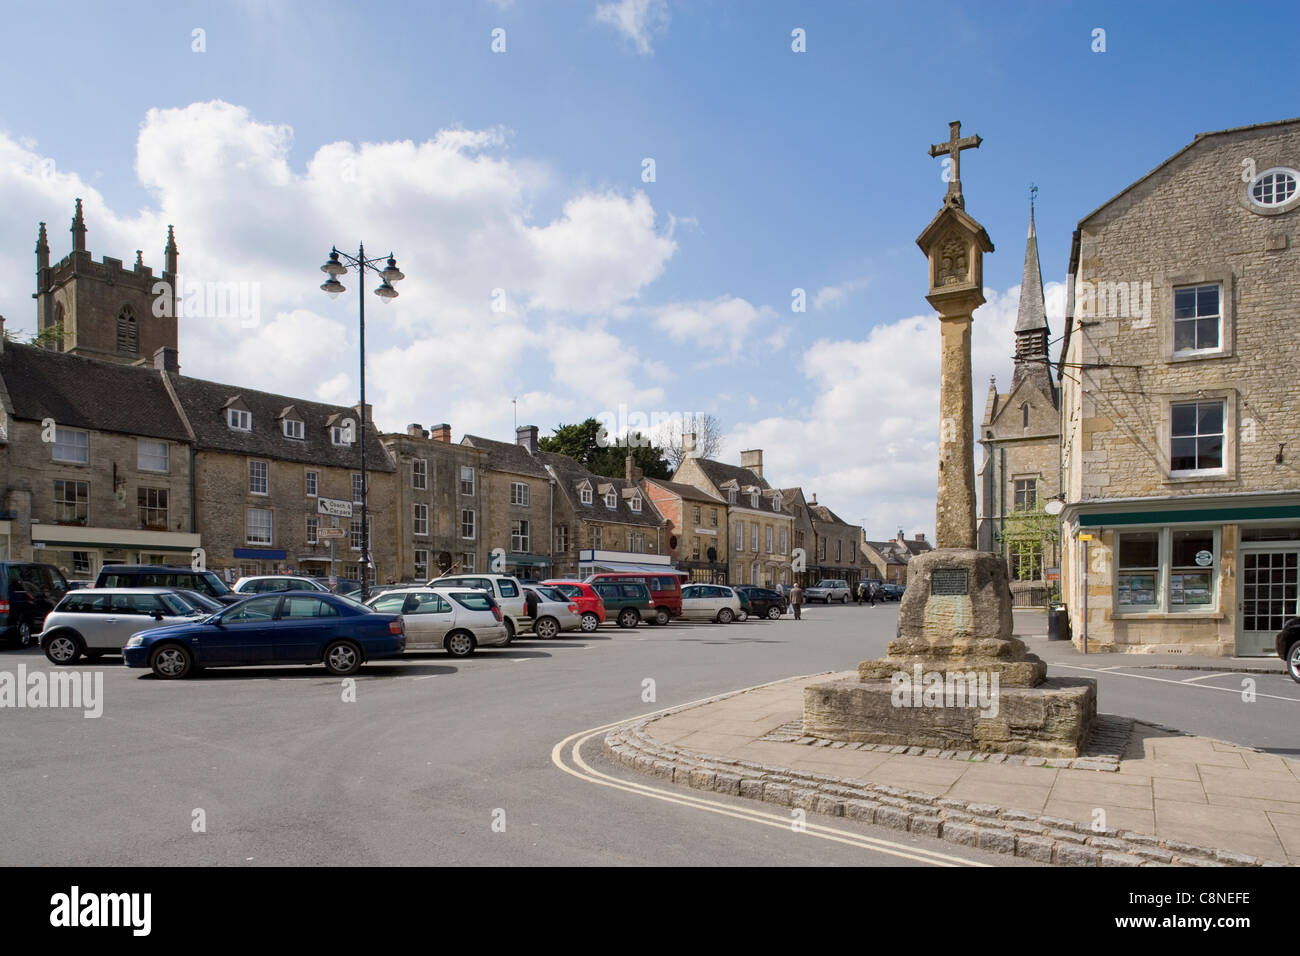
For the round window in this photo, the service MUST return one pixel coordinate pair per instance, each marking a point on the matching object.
(1273, 187)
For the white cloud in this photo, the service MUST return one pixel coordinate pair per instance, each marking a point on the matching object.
(836, 294)
(635, 19)
(718, 324)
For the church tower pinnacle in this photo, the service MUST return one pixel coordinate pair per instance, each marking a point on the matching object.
(78, 231)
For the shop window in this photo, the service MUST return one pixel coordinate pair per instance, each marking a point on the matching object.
(1138, 567)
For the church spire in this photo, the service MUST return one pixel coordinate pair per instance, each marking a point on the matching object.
(78, 231)
(1032, 331)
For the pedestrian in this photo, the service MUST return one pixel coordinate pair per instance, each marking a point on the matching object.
(872, 593)
(531, 601)
(862, 592)
(796, 601)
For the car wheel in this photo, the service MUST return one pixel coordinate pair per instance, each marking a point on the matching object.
(628, 617)
(742, 615)
(63, 649)
(1293, 661)
(510, 632)
(459, 643)
(24, 634)
(725, 616)
(773, 613)
(845, 599)
(590, 622)
(661, 617)
(546, 628)
(171, 661)
(342, 658)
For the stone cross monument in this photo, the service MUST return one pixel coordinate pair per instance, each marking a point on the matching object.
(954, 623)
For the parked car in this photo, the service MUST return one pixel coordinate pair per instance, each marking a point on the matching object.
(1288, 647)
(763, 602)
(744, 605)
(458, 620)
(28, 592)
(891, 592)
(665, 588)
(293, 627)
(98, 621)
(503, 588)
(200, 602)
(555, 612)
(270, 583)
(76, 584)
(710, 602)
(828, 590)
(590, 607)
(627, 602)
(163, 576)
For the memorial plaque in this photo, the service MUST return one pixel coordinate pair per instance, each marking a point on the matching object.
(948, 581)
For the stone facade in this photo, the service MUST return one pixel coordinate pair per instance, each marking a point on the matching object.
(802, 536)
(696, 528)
(1181, 418)
(430, 493)
(836, 545)
(887, 561)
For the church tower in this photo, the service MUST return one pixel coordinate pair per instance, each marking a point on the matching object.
(104, 310)
(1021, 437)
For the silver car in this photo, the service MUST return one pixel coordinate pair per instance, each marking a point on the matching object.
(555, 612)
(97, 621)
(828, 590)
(456, 619)
(269, 583)
(710, 602)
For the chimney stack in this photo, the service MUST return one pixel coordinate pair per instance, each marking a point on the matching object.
(753, 460)
(526, 435)
(919, 537)
(688, 445)
(630, 470)
(441, 432)
(167, 359)
(414, 430)
(814, 499)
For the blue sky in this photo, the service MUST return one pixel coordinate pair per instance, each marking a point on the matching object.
(305, 125)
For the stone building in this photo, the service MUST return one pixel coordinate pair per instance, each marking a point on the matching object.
(268, 468)
(803, 548)
(759, 528)
(1181, 415)
(1021, 436)
(517, 513)
(696, 526)
(439, 493)
(100, 309)
(836, 545)
(96, 464)
(888, 560)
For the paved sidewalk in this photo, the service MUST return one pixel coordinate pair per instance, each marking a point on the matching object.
(1170, 786)
(1031, 627)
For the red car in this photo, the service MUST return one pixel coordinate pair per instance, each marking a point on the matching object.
(665, 589)
(590, 606)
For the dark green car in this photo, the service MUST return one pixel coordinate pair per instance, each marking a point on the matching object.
(626, 602)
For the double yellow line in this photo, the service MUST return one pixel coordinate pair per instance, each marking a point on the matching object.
(583, 771)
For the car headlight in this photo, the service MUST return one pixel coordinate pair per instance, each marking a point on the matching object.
(135, 640)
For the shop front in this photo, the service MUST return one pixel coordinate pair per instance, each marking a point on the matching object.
(79, 552)
(1213, 579)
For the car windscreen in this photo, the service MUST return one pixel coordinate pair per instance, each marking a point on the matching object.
(553, 594)
(176, 605)
(474, 600)
(568, 590)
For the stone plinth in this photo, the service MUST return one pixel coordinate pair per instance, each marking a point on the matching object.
(944, 631)
(1050, 720)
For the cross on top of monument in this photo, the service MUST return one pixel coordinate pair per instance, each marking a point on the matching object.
(956, 143)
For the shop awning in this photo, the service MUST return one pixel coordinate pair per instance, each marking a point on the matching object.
(528, 560)
(629, 568)
(1230, 513)
(79, 536)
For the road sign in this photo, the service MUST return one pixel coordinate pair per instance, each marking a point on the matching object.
(327, 532)
(334, 506)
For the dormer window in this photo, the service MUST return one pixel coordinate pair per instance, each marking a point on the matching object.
(634, 503)
(731, 496)
(294, 429)
(239, 420)
(753, 499)
(776, 503)
(584, 493)
(341, 434)
(611, 500)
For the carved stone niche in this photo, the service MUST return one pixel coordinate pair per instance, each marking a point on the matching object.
(954, 243)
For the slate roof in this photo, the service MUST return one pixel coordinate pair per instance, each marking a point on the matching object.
(720, 473)
(824, 515)
(507, 456)
(1031, 315)
(687, 492)
(82, 392)
(888, 551)
(570, 474)
(204, 404)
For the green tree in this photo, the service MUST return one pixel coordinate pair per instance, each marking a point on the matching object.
(590, 445)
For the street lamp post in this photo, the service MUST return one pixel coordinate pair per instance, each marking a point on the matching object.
(337, 265)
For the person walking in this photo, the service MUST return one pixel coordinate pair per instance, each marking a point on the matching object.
(861, 590)
(871, 593)
(796, 601)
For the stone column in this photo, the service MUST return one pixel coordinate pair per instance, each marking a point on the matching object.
(955, 506)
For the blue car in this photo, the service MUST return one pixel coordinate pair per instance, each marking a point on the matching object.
(291, 627)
